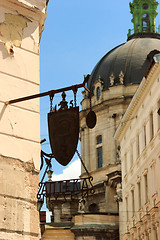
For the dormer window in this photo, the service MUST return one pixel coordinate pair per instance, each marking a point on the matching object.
(145, 6)
(98, 93)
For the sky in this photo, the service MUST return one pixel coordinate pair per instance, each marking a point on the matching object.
(76, 36)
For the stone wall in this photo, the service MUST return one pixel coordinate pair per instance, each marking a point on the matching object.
(19, 185)
(21, 23)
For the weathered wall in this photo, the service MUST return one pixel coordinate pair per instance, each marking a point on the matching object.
(18, 200)
(21, 22)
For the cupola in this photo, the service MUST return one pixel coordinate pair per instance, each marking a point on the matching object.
(144, 18)
(118, 66)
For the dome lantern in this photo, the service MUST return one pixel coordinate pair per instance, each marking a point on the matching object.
(144, 18)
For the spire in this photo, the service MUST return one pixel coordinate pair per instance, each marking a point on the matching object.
(144, 18)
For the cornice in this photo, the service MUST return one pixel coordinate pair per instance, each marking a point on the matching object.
(32, 9)
(134, 104)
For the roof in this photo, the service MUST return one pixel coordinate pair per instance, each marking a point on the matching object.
(129, 58)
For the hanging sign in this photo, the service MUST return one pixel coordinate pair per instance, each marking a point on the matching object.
(63, 126)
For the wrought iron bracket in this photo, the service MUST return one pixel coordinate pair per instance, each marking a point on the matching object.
(74, 88)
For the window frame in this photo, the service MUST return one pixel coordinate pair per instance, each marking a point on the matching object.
(99, 151)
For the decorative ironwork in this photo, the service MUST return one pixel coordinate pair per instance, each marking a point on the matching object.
(63, 190)
(63, 127)
(47, 158)
(51, 102)
(63, 104)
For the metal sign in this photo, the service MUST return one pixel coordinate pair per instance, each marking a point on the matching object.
(63, 127)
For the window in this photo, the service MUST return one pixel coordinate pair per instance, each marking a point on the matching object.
(98, 93)
(131, 154)
(137, 145)
(99, 139)
(133, 203)
(93, 208)
(146, 188)
(139, 194)
(99, 152)
(125, 163)
(145, 23)
(144, 137)
(153, 179)
(127, 216)
(151, 126)
(99, 157)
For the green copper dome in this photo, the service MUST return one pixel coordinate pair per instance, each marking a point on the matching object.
(127, 63)
(144, 18)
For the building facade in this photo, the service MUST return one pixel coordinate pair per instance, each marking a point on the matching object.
(113, 83)
(21, 25)
(139, 134)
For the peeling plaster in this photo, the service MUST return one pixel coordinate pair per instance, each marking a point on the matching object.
(11, 31)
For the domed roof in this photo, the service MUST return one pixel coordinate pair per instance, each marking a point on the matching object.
(129, 58)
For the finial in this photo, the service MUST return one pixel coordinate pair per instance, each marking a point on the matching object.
(49, 172)
(63, 104)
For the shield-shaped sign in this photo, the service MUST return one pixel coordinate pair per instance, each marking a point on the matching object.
(63, 129)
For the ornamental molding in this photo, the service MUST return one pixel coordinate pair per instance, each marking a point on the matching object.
(140, 94)
(112, 78)
(99, 81)
(138, 179)
(121, 77)
(153, 162)
(145, 172)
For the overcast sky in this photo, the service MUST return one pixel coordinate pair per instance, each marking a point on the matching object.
(77, 34)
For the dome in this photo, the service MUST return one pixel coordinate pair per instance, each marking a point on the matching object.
(129, 58)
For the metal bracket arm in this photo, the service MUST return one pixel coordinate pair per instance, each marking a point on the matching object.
(50, 93)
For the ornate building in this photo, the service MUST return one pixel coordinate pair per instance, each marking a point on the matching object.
(113, 83)
(139, 134)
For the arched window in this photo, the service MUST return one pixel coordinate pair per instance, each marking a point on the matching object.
(145, 23)
(99, 151)
(93, 208)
